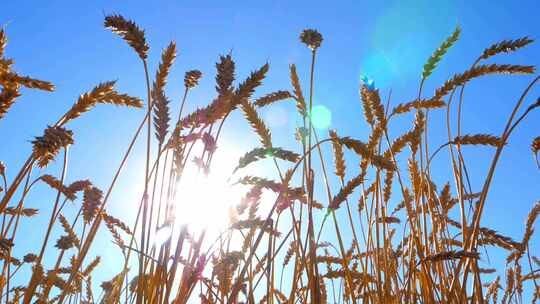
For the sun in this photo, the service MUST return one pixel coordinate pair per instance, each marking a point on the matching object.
(207, 201)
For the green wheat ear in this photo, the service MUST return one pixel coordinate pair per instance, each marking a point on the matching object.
(431, 64)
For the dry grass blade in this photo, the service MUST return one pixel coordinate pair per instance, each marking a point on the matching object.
(478, 71)
(439, 53)
(271, 98)
(130, 32)
(257, 124)
(300, 101)
(505, 46)
(478, 139)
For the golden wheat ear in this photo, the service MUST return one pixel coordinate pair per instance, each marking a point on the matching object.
(362, 150)
(505, 46)
(297, 90)
(3, 42)
(69, 231)
(257, 124)
(225, 75)
(478, 139)
(529, 227)
(339, 159)
(261, 153)
(100, 94)
(13, 79)
(345, 192)
(8, 95)
(247, 88)
(418, 104)
(162, 116)
(477, 71)
(167, 59)
(130, 32)
(271, 98)
(47, 147)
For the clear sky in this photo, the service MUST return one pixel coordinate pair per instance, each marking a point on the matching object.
(65, 42)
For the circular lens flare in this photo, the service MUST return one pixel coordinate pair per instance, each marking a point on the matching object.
(321, 117)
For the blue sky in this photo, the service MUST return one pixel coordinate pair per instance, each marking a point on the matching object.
(64, 42)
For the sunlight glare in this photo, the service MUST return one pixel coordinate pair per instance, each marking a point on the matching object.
(205, 201)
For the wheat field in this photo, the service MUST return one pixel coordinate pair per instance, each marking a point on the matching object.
(366, 223)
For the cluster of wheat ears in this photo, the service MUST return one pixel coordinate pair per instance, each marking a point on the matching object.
(412, 240)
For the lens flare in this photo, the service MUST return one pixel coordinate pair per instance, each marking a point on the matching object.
(321, 117)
